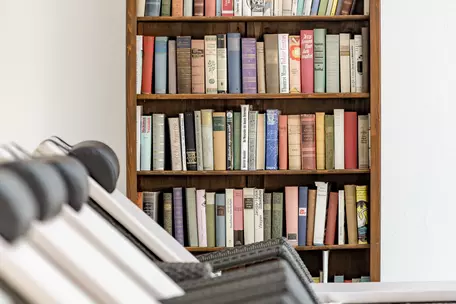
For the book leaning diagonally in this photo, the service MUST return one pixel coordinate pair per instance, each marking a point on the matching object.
(320, 213)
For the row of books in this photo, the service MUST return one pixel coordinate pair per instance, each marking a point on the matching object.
(306, 216)
(249, 140)
(179, 8)
(312, 62)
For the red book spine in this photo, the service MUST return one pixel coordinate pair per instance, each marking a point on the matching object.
(238, 217)
(148, 62)
(227, 8)
(330, 232)
(283, 142)
(209, 8)
(307, 61)
(351, 140)
(308, 159)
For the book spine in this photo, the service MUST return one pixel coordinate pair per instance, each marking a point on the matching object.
(268, 8)
(192, 226)
(229, 220)
(209, 8)
(188, 8)
(201, 217)
(238, 217)
(257, 7)
(329, 142)
(166, 8)
(339, 129)
(308, 161)
(172, 83)
(294, 45)
(334, 8)
(320, 139)
(138, 137)
(352, 66)
(229, 140)
(190, 144)
(258, 215)
(341, 218)
(261, 80)
(139, 62)
(329, 8)
(198, 141)
(362, 213)
(307, 8)
(245, 137)
(249, 73)
(302, 216)
(253, 118)
(300, 8)
(260, 148)
(219, 140)
(359, 63)
(283, 142)
(184, 66)
(198, 7)
(346, 7)
(366, 9)
(237, 7)
(277, 215)
(351, 140)
(350, 210)
(287, 7)
(277, 6)
(267, 215)
(148, 62)
(345, 63)
(294, 142)
(222, 85)
(332, 64)
(174, 139)
(291, 208)
(218, 7)
(322, 7)
(272, 139)
(207, 138)
(315, 6)
(363, 142)
(227, 8)
(331, 218)
(339, 7)
(210, 42)
(369, 138)
(319, 60)
(152, 8)
(284, 81)
(168, 212)
(246, 8)
(312, 196)
(220, 237)
(249, 219)
(320, 213)
(150, 202)
(307, 61)
(178, 215)
(210, 218)
(198, 77)
(182, 141)
(271, 51)
(177, 8)
(234, 62)
(237, 140)
(365, 52)
(158, 141)
(146, 142)
(140, 8)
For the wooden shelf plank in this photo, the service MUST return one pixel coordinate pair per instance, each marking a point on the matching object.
(251, 96)
(253, 172)
(298, 248)
(255, 19)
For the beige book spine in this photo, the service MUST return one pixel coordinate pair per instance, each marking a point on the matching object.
(271, 54)
(210, 42)
(312, 199)
(345, 63)
(219, 133)
(261, 78)
(260, 143)
(140, 8)
(177, 8)
(320, 139)
(208, 147)
(350, 209)
(294, 45)
(363, 142)
(198, 78)
(174, 135)
(294, 142)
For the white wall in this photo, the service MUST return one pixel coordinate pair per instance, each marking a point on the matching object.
(418, 132)
(62, 72)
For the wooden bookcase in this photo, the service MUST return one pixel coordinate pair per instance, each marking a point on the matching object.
(350, 260)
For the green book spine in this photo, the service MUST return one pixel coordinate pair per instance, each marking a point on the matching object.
(277, 215)
(338, 279)
(320, 60)
(168, 212)
(192, 228)
(329, 141)
(210, 218)
(237, 140)
(166, 8)
(323, 7)
(267, 216)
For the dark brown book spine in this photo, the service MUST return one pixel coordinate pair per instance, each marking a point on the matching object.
(184, 65)
(347, 7)
(190, 144)
(198, 7)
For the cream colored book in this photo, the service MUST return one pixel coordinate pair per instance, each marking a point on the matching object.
(344, 63)
(260, 149)
(174, 138)
(208, 146)
(341, 218)
(229, 220)
(320, 139)
(284, 81)
(210, 57)
(261, 79)
(294, 142)
(359, 63)
(182, 140)
(198, 141)
(140, 8)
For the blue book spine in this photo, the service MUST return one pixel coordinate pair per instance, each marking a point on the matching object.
(218, 7)
(178, 215)
(315, 6)
(220, 226)
(161, 60)
(234, 62)
(152, 8)
(300, 8)
(302, 216)
(272, 139)
(339, 7)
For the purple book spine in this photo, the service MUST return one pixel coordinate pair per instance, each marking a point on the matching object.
(178, 215)
(249, 75)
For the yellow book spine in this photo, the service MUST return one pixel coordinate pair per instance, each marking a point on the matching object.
(334, 7)
(320, 139)
(362, 213)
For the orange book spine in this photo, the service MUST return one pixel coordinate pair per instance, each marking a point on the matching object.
(139, 200)
(209, 8)
(177, 8)
(283, 142)
(330, 232)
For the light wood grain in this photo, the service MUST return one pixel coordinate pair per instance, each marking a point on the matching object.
(254, 172)
(179, 97)
(298, 248)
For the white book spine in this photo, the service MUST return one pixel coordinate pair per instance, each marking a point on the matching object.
(188, 8)
(253, 118)
(201, 217)
(222, 81)
(352, 66)
(138, 137)
(139, 61)
(174, 138)
(140, 8)
(286, 7)
(210, 57)
(366, 7)
(229, 220)
(208, 139)
(325, 266)
(308, 7)
(345, 63)
(332, 64)
(339, 152)
(249, 216)
(237, 4)
(369, 121)
(146, 142)
(258, 215)
(260, 142)
(294, 7)
(257, 7)
(329, 7)
(246, 8)
(245, 137)
(277, 7)
(320, 212)
(341, 219)
(182, 140)
(198, 141)
(158, 141)
(284, 82)
(359, 63)
(268, 8)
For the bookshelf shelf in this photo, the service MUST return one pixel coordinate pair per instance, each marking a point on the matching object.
(256, 19)
(251, 96)
(252, 172)
(298, 248)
